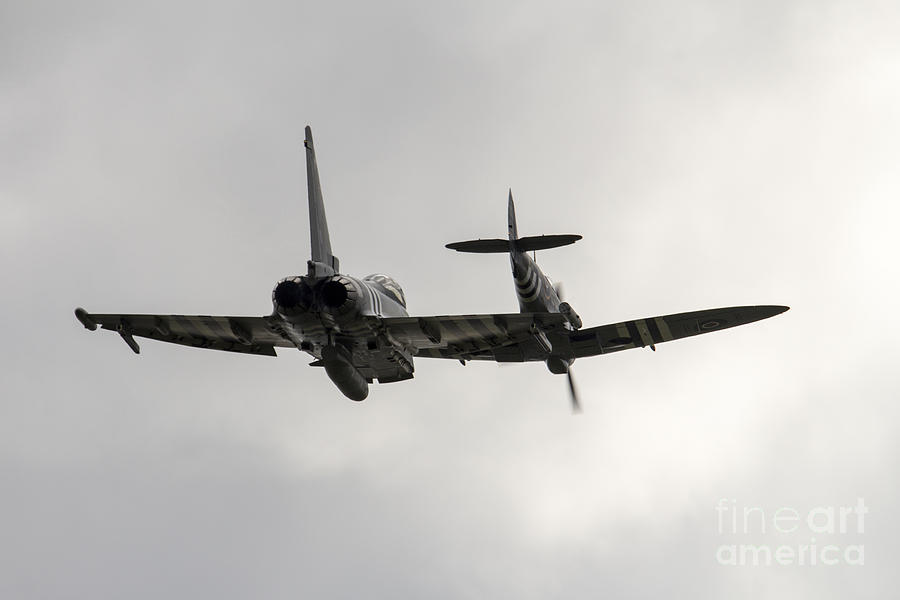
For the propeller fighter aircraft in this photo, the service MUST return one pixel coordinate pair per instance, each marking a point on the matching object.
(359, 330)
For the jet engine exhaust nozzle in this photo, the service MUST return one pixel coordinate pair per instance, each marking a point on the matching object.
(339, 298)
(334, 293)
(291, 294)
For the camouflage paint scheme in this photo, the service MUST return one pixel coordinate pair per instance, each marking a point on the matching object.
(358, 329)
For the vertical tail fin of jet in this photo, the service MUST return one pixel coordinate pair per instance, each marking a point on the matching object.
(321, 259)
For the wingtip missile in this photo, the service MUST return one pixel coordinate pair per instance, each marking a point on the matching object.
(85, 318)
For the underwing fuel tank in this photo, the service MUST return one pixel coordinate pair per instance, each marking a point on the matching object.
(339, 367)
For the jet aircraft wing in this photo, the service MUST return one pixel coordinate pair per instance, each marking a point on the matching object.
(249, 335)
(651, 331)
(472, 337)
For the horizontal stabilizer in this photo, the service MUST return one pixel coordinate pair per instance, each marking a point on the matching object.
(543, 242)
(525, 244)
(480, 246)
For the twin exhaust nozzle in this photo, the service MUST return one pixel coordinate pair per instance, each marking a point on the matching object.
(295, 294)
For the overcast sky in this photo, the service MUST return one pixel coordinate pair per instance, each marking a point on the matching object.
(711, 153)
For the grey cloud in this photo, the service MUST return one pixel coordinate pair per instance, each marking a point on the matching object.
(711, 154)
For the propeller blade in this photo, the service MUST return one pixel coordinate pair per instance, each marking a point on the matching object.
(558, 286)
(576, 405)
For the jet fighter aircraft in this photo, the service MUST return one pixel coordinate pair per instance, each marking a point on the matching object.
(359, 331)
